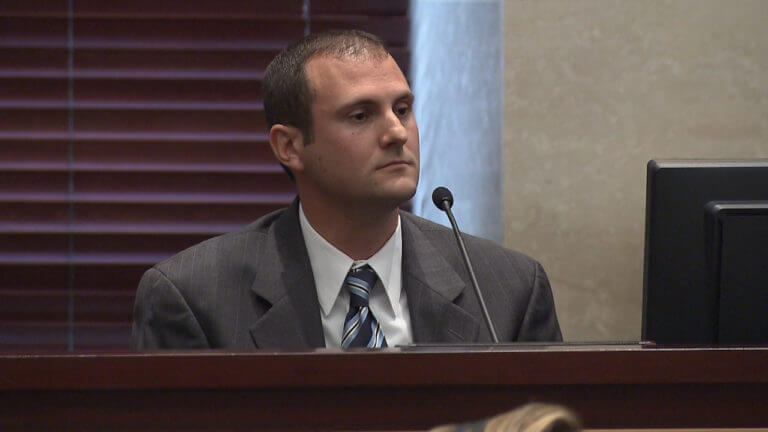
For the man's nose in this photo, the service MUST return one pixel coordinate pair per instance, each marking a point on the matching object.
(395, 132)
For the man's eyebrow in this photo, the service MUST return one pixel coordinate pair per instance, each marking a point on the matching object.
(406, 95)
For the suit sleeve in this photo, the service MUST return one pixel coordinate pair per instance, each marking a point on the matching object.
(540, 320)
(162, 318)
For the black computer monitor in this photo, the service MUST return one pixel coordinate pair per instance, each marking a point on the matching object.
(705, 278)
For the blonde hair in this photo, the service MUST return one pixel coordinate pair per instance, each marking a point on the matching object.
(532, 417)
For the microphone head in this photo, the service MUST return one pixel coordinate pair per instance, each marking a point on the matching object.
(440, 195)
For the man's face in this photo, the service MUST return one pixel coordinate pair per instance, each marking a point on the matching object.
(365, 146)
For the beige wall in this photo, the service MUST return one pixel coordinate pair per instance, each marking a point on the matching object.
(594, 89)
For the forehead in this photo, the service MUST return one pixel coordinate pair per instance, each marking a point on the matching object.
(353, 76)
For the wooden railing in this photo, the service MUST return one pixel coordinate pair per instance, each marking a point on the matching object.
(614, 386)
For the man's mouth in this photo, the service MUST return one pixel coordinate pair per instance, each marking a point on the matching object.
(394, 163)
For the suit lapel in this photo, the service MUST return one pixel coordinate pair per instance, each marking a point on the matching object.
(284, 279)
(432, 286)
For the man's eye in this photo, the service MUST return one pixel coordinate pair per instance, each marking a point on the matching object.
(402, 110)
(358, 116)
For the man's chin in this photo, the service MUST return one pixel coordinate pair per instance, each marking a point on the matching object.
(397, 196)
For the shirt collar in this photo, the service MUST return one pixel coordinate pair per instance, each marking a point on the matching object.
(330, 265)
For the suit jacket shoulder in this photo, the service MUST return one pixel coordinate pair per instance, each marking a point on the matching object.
(244, 289)
(514, 285)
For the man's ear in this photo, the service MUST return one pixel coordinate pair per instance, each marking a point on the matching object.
(287, 143)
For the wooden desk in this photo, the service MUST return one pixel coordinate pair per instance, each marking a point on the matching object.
(395, 389)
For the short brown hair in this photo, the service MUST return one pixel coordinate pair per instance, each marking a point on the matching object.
(287, 94)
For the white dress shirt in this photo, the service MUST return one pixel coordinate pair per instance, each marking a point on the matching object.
(387, 300)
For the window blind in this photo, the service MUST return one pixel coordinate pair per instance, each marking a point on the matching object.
(128, 132)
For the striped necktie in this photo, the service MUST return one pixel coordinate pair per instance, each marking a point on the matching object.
(361, 329)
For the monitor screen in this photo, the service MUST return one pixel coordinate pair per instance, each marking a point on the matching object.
(706, 252)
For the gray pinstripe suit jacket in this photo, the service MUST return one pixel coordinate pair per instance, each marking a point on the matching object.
(254, 289)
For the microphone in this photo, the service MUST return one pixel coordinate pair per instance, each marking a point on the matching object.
(443, 199)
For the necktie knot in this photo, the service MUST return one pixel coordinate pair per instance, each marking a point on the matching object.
(359, 282)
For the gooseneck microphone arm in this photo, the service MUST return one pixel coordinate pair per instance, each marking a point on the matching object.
(443, 199)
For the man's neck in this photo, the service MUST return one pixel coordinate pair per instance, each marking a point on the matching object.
(357, 232)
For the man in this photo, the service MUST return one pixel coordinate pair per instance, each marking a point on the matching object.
(342, 266)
